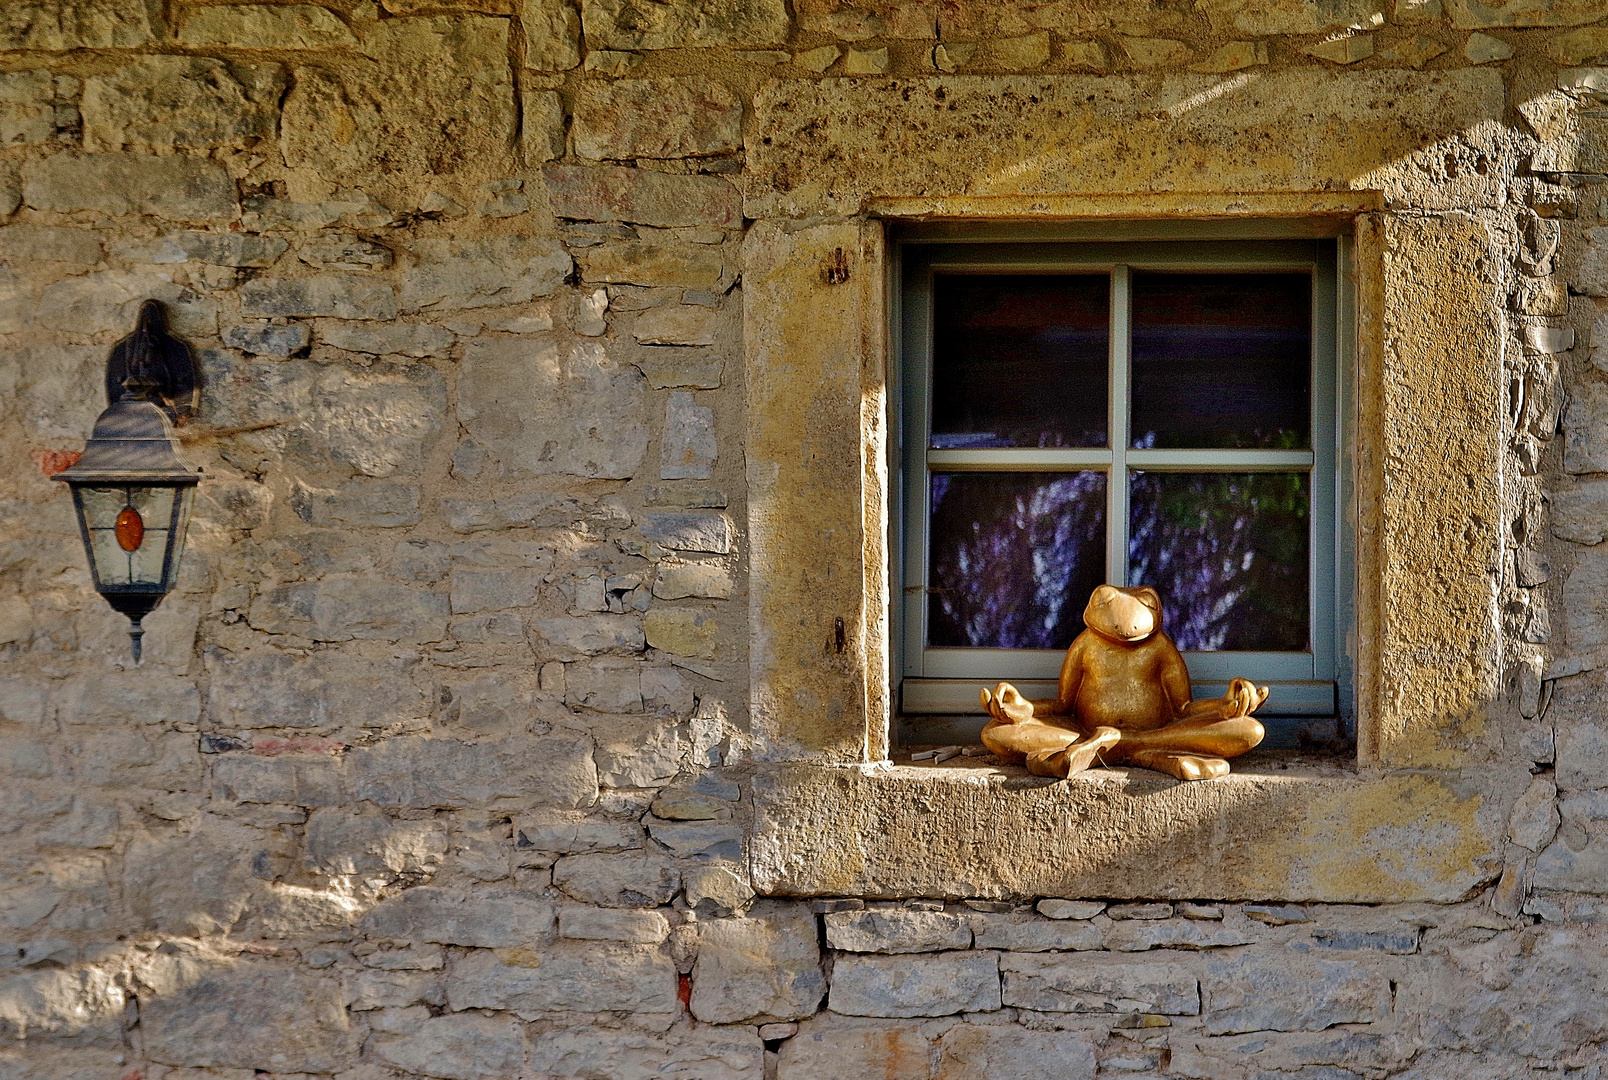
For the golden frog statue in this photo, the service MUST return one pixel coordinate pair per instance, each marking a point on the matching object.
(1124, 700)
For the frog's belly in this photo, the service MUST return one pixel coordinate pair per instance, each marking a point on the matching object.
(1128, 705)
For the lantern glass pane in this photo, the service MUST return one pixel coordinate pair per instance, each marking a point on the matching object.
(143, 567)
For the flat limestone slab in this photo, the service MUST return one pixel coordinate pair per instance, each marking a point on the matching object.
(826, 146)
(1313, 834)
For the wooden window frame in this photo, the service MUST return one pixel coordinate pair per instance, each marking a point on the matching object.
(937, 686)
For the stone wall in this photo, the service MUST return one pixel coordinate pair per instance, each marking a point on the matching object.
(468, 747)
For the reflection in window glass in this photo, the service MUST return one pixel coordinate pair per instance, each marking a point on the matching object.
(1020, 360)
(1014, 557)
(1229, 553)
(1222, 361)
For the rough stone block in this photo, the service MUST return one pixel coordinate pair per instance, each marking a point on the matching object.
(268, 339)
(641, 196)
(1291, 16)
(1092, 983)
(936, 984)
(1585, 600)
(1024, 933)
(289, 779)
(1269, 993)
(676, 324)
(406, 339)
(433, 95)
(132, 700)
(174, 188)
(540, 411)
(1173, 934)
(272, 690)
(110, 300)
(766, 965)
(702, 580)
(1580, 513)
(54, 26)
(249, 1016)
(344, 609)
(162, 103)
(552, 34)
(341, 842)
(538, 510)
(698, 24)
(565, 978)
(611, 684)
(379, 504)
(377, 420)
(458, 274)
(567, 834)
(685, 1052)
(343, 296)
(1054, 908)
(604, 924)
(511, 772)
(27, 114)
(691, 116)
(241, 26)
(493, 590)
(1008, 1052)
(591, 635)
(682, 631)
(688, 530)
(828, 1045)
(690, 839)
(458, 1047)
(1482, 14)
(1585, 429)
(654, 263)
(541, 129)
(617, 881)
(484, 920)
(644, 752)
(61, 1004)
(22, 243)
(687, 449)
(194, 884)
(896, 930)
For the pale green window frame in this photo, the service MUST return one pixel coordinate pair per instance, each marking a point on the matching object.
(938, 686)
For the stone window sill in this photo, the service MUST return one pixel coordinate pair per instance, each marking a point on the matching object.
(1284, 826)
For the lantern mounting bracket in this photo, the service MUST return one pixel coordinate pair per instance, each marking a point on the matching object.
(152, 365)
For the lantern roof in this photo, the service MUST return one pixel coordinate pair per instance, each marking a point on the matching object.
(133, 443)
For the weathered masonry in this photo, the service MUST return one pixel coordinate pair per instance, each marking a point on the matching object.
(533, 699)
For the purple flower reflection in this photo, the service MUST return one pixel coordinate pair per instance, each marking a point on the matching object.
(1229, 553)
(1013, 557)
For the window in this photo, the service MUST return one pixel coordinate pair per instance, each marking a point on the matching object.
(1156, 413)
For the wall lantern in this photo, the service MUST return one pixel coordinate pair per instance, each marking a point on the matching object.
(132, 489)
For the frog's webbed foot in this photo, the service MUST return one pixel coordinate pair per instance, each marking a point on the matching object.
(1073, 759)
(1183, 766)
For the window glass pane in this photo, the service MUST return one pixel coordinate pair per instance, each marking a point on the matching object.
(1020, 360)
(1229, 554)
(1014, 557)
(1222, 360)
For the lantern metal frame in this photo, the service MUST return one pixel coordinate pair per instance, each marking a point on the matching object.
(133, 448)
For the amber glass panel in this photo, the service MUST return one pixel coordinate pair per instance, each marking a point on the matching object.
(1020, 360)
(1229, 553)
(1014, 557)
(1222, 361)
